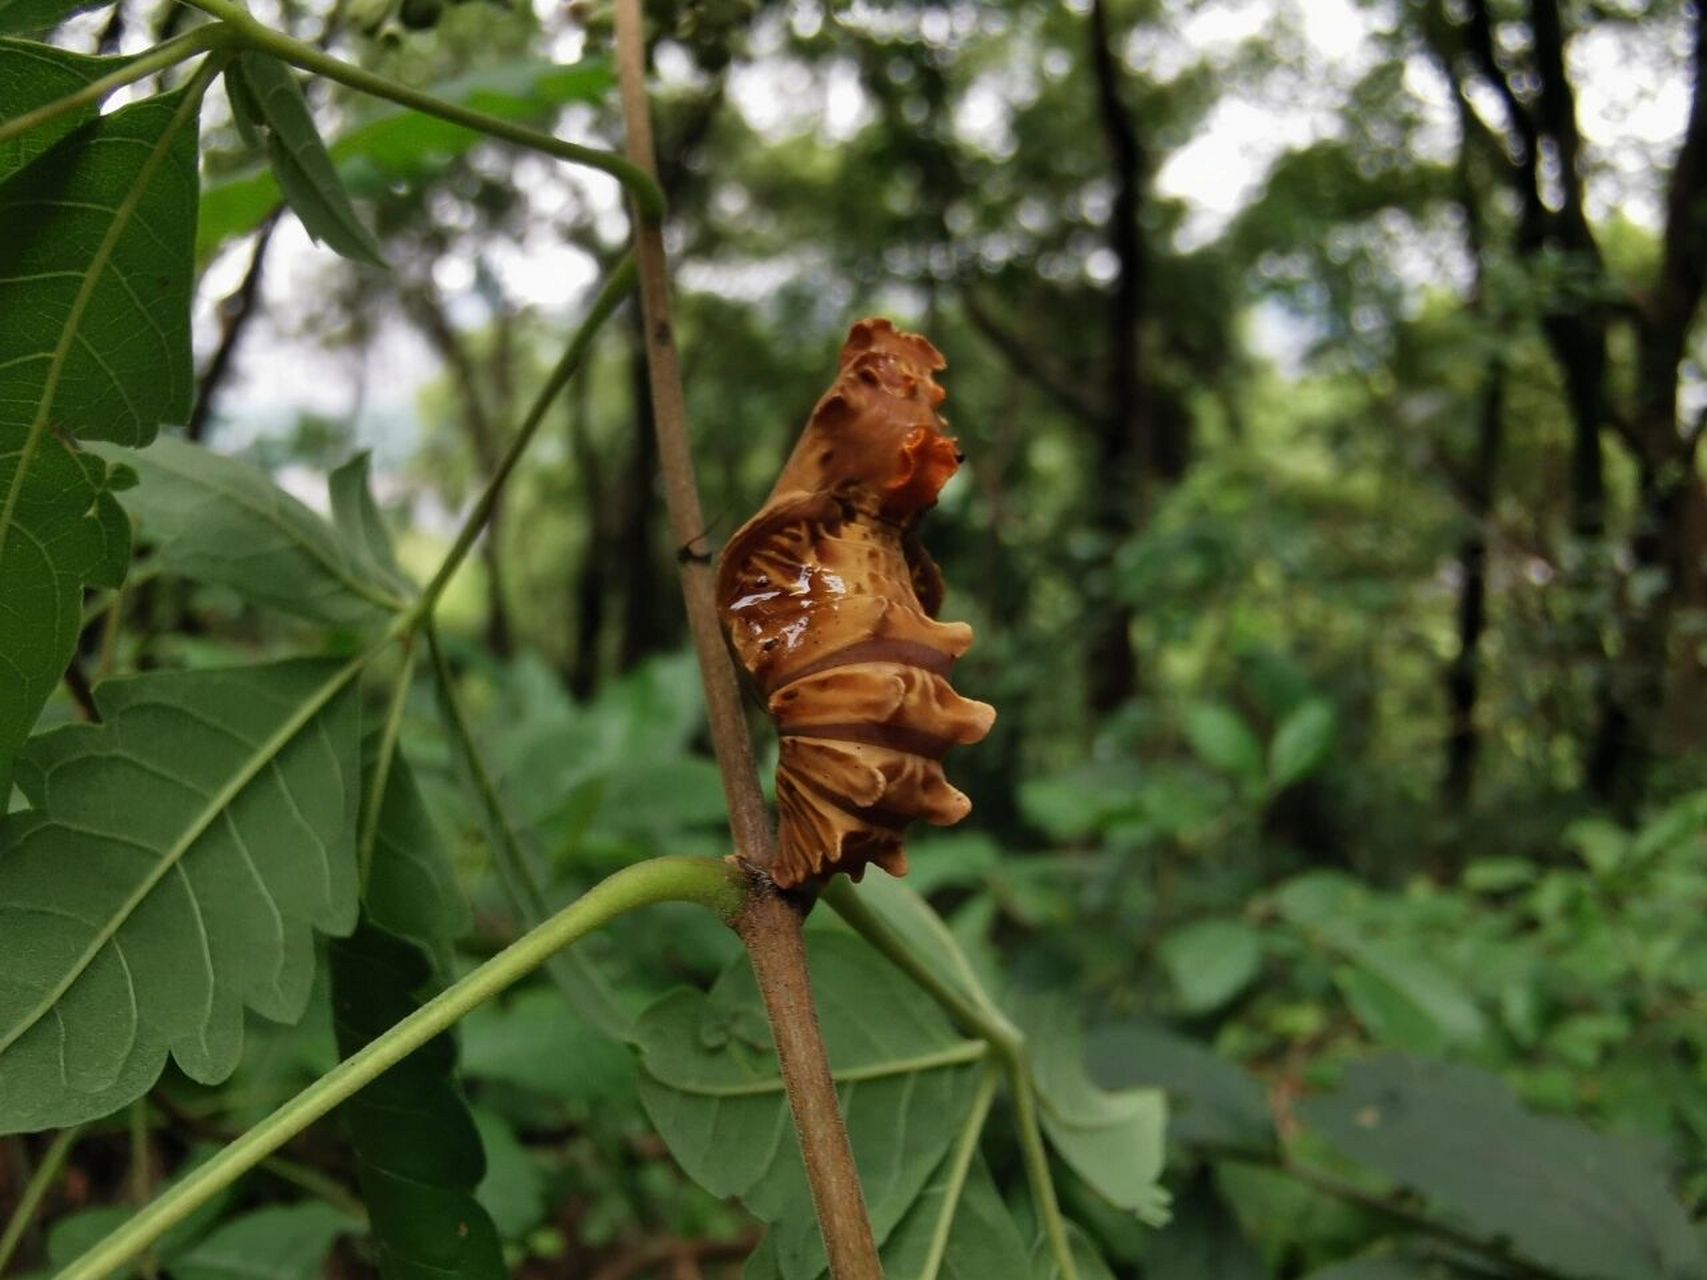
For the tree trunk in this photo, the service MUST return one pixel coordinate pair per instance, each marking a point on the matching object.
(1123, 447)
(1464, 676)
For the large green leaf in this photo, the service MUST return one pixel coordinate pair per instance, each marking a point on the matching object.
(217, 520)
(401, 145)
(418, 1153)
(268, 100)
(711, 1087)
(95, 278)
(169, 872)
(958, 1229)
(1114, 1140)
(33, 75)
(1561, 1195)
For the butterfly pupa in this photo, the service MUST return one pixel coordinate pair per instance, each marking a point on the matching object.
(830, 604)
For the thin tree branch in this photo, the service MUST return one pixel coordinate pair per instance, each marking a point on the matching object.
(769, 924)
(1031, 363)
(236, 311)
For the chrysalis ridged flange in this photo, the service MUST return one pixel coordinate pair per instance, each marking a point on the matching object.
(830, 603)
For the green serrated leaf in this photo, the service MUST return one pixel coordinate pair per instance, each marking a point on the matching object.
(283, 1242)
(33, 75)
(418, 1153)
(170, 871)
(299, 158)
(1114, 1140)
(709, 1082)
(95, 278)
(402, 145)
(1562, 1196)
(217, 520)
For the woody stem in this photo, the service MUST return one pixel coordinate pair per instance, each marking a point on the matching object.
(770, 925)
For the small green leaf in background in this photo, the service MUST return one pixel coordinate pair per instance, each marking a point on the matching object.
(1565, 1197)
(1302, 743)
(1211, 961)
(33, 75)
(279, 1243)
(216, 520)
(532, 1041)
(95, 278)
(1211, 1102)
(396, 144)
(1113, 1139)
(418, 1153)
(359, 523)
(710, 1084)
(1222, 740)
(514, 1191)
(1396, 1266)
(269, 102)
(170, 871)
(1204, 1240)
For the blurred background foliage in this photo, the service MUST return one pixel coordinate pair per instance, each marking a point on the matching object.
(1337, 551)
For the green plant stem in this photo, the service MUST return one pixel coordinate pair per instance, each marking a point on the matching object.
(298, 53)
(52, 1161)
(709, 882)
(953, 1056)
(617, 286)
(1037, 1167)
(584, 988)
(961, 1165)
(150, 61)
(749, 819)
(369, 831)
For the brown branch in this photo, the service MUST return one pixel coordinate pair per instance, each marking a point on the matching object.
(82, 695)
(1683, 263)
(236, 311)
(1030, 363)
(769, 926)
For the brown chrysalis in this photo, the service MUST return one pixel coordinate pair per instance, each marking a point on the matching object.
(830, 604)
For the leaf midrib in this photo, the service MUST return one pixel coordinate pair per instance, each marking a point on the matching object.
(216, 805)
(955, 1055)
(74, 319)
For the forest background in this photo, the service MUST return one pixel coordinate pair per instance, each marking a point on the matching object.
(1333, 525)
